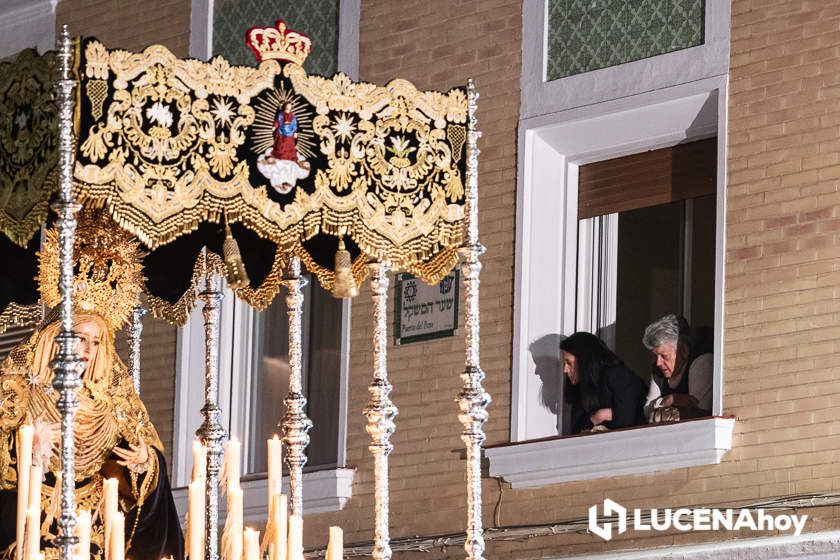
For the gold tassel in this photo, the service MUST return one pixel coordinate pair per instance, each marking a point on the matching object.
(237, 276)
(345, 284)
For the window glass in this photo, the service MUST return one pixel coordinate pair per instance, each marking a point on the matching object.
(321, 366)
(585, 35)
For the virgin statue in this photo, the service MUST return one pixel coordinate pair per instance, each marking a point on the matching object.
(114, 438)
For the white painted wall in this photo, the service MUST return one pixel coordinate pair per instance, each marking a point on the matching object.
(25, 24)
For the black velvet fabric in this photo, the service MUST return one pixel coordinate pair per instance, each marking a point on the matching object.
(8, 520)
(158, 533)
(17, 283)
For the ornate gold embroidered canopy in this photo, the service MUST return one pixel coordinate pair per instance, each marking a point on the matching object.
(177, 149)
(168, 144)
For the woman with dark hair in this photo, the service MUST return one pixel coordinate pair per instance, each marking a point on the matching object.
(600, 388)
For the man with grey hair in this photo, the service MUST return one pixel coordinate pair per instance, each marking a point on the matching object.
(682, 376)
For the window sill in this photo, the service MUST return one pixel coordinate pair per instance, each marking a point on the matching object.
(639, 450)
(323, 491)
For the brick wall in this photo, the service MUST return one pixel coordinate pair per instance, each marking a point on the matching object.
(783, 248)
(129, 24)
(135, 24)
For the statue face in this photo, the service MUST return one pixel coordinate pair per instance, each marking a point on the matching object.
(89, 331)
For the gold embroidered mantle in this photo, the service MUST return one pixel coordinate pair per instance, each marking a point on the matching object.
(110, 412)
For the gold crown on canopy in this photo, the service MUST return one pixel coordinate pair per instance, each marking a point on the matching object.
(279, 43)
(107, 269)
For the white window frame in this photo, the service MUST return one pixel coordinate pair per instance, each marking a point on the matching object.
(604, 114)
(541, 97)
(324, 490)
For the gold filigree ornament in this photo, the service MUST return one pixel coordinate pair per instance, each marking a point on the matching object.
(165, 157)
(259, 298)
(393, 181)
(108, 276)
(28, 143)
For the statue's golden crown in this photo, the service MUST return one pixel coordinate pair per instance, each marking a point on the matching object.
(107, 269)
(279, 43)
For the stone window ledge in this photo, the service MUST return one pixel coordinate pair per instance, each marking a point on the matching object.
(640, 450)
(323, 491)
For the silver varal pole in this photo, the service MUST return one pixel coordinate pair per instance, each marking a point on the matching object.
(380, 412)
(66, 379)
(295, 425)
(211, 433)
(472, 399)
(135, 330)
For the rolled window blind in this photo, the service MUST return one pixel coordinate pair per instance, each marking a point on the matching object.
(648, 179)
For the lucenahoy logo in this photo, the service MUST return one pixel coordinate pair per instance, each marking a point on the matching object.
(690, 519)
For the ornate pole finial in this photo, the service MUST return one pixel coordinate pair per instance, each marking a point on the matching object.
(472, 399)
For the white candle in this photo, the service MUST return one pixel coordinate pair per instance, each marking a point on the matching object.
(83, 532)
(196, 519)
(33, 532)
(233, 524)
(36, 473)
(295, 537)
(232, 461)
(335, 548)
(110, 507)
(252, 544)
(33, 517)
(199, 460)
(280, 527)
(117, 537)
(24, 463)
(275, 466)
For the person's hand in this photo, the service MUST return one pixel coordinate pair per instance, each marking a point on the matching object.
(136, 458)
(680, 400)
(601, 415)
(667, 400)
(44, 441)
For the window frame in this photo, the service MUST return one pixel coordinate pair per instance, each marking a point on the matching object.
(648, 104)
(554, 147)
